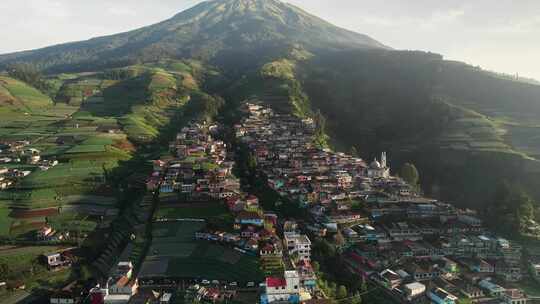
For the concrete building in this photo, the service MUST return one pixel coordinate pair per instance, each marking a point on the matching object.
(279, 290)
(299, 245)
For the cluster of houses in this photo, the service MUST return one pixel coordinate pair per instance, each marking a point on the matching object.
(204, 294)
(15, 153)
(119, 288)
(200, 171)
(417, 249)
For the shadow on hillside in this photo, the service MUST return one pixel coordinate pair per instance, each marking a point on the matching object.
(117, 100)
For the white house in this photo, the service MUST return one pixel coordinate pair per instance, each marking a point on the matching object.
(491, 288)
(286, 289)
(414, 290)
(300, 245)
(121, 287)
(514, 296)
(441, 296)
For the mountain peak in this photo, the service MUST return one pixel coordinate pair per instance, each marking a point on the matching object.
(208, 31)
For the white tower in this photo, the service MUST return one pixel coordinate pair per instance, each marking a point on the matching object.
(383, 160)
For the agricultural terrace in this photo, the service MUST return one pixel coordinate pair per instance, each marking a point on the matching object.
(174, 254)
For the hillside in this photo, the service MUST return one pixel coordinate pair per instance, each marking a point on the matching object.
(465, 129)
(219, 31)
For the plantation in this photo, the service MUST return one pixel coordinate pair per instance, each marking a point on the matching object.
(5, 220)
(215, 262)
(19, 258)
(175, 253)
(193, 211)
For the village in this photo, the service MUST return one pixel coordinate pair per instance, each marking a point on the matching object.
(15, 154)
(415, 248)
(212, 241)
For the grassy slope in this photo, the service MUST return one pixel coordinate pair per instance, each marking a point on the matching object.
(140, 102)
(418, 109)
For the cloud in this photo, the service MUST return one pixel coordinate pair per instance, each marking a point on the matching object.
(55, 9)
(442, 18)
(521, 26)
(121, 11)
(432, 22)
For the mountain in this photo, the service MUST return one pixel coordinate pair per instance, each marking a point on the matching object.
(213, 30)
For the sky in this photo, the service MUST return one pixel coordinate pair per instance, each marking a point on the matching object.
(500, 35)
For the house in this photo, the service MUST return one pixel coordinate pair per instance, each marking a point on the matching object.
(249, 218)
(54, 260)
(280, 290)
(441, 296)
(481, 266)
(509, 271)
(423, 270)
(388, 278)
(414, 290)
(514, 296)
(491, 288)
(534, 267)
(120, 287)
(64, 297)
(299, 245)
(45, 232)
(403, 231)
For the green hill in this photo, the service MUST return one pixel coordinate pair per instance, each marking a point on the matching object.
(465, 129)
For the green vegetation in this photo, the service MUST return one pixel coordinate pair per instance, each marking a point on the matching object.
(193, 211)
(5, 221)
(30, 74)
(189, 258)
(454, 122)
(19, 260)
(518, 209)
(280, 69)
(410, 174)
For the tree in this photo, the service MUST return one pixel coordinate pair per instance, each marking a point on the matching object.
(363, 286)
(4, 268)
(410, 174)
(332, 288)
(511, 209)
(354, 152)
(357, 299)
(342, 292)
(320, 129)
(316, 266)
(31, 75)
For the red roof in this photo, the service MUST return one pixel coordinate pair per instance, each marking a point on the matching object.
(275, 282)
(252, 197)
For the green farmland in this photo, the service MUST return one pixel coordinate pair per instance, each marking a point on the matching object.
(180, 256)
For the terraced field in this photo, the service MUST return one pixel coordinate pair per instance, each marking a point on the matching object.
(175, 253)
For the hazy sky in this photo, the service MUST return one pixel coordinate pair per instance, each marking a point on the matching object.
(500, 35)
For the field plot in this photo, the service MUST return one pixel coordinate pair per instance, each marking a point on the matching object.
(18, 258)
(175, 254)
(5, 221)
(193, 211)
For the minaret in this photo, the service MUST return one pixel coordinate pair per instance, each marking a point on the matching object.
(383, 160)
